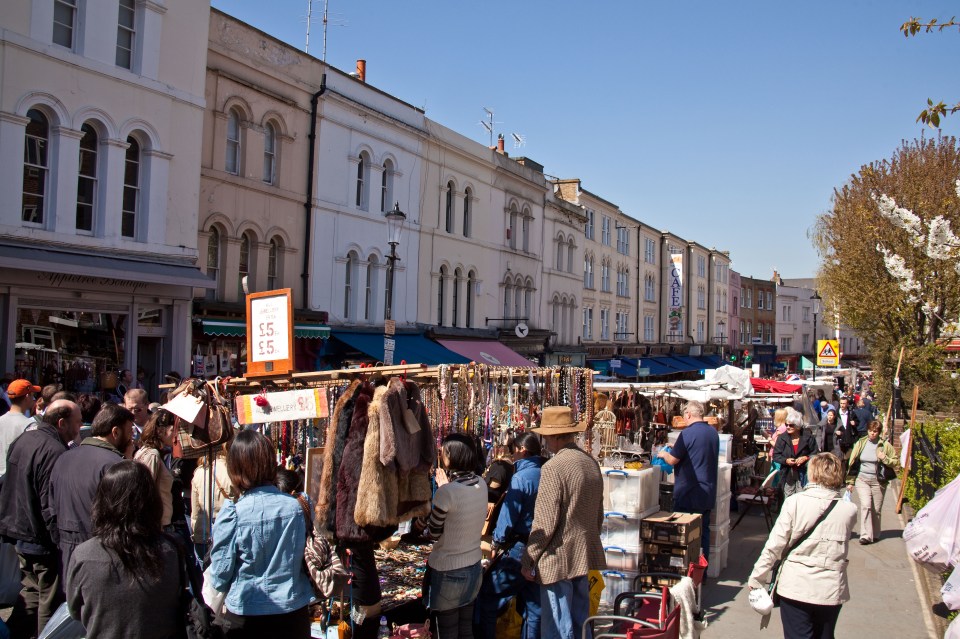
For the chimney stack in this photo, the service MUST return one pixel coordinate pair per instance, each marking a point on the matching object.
(362, 70)
(500, 143)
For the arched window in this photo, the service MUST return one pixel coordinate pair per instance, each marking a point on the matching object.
(131, 190)
(270, 153)
(513, 228)
(517, 298)
(555, 319)
(449, 209)
(349, 282)
(386, 186)
(441, 294)
(457, 276)
(35, 168)
(467, 212)
(526, 232)
(360, 199)
(471, 291)
(570, 251)
(213, 261)
(560, 246)
(369, 300)
(605, 276)
(528, 300)
(87, 179)
(507, 297)
(246, 248)
(232, 164)
(273, 258)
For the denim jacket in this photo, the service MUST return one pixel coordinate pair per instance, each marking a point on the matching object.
(257, 553)
(516, 513)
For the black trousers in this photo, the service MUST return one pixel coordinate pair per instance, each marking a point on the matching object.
(41, 595)
(807, 621)
(295, 625)
(453, 624)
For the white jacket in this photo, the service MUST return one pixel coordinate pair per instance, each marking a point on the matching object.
(200, 495)
(816, 571)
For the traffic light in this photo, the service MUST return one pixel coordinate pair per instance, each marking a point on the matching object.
(747, 358)
(734, 357)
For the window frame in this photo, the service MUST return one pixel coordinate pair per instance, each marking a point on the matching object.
(232, 151)
(88, 182)
(270, 139)
(73, 7)
(134, 189)
(36, 147)
(131, 29)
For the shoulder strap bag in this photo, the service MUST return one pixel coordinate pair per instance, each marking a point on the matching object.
(775, 577)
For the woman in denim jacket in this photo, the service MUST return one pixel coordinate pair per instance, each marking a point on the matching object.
(257, 553)
(455, 522)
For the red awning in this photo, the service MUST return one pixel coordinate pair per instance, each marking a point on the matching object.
(771, 386)
(485, 352)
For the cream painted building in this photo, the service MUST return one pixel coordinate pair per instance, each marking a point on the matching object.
(101, 109)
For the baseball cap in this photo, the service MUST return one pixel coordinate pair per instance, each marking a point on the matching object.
(20, 387)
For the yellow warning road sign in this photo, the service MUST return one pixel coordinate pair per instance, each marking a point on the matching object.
(828, 353)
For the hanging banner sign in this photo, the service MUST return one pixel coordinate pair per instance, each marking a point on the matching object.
(675, 290)
(308, 403)
(828, 353)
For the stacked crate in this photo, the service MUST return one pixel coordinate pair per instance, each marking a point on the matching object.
(628, 497)
(671, 542)
(720, 521)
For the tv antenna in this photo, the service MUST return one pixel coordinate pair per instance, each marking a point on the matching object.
(488, 123)
(337, 22)
(518, 140)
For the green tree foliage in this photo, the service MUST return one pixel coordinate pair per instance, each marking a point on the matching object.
(922, 479)
(932, 114)
(855, 281)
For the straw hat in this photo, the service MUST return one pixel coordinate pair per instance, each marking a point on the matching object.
(559, 420)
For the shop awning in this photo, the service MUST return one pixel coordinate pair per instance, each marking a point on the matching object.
(413, 348)
(689, 364)
(486, 352)
(238, 328)
(70, 266)
(772, 386)
(712, 361)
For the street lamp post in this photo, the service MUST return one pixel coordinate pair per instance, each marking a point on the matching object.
(395, 219)
(722, 336)
(816, 311)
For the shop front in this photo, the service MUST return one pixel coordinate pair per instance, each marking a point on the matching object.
(78, 320)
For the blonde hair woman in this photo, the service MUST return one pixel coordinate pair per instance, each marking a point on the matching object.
(210, 478)
(813, 528)
(779, 428)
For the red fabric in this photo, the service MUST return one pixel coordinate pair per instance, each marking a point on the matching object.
(771, 386)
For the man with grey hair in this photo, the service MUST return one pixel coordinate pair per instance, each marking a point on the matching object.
(136, 401)
(694, 458)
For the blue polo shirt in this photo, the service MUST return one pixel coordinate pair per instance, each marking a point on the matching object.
(695, 486)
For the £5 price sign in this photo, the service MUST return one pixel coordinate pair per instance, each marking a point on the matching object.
(270, 333)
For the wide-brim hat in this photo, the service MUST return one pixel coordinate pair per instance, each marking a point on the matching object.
(559, 420)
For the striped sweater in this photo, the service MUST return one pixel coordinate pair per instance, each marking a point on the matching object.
(455, 521)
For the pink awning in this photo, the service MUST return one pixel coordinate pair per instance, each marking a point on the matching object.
(486, 352)
(771, 386)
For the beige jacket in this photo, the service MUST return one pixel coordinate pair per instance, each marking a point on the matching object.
(200, 496)
(565, 537)
(816, 571)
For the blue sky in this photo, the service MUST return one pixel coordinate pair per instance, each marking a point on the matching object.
(727, 123)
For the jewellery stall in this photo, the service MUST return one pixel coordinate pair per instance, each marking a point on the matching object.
(489, 402)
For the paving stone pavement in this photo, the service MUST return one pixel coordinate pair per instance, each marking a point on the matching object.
(883, 590)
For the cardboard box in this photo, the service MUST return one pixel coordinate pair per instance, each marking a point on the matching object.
(673, 528)
(659, 557)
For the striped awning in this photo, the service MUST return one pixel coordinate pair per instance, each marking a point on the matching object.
(238, 328)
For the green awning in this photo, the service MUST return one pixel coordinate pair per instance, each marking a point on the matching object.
(238, 328)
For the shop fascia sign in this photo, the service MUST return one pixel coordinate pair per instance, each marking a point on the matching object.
(675, 287)
(307, 403)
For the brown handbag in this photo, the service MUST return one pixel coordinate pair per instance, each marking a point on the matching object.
(212, 428)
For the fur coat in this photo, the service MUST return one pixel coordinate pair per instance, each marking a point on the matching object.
(332, 454)
(348, 476)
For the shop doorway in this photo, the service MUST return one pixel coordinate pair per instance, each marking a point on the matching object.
(150, 360)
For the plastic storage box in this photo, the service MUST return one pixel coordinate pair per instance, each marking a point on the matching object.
(718, 559)
(630, 491)
(623, 558)
(620, 529)
(614, 583)
(724, 477)
(726, 448)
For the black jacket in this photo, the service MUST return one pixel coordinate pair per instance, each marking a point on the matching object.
(783, 450)
(25, 511)
(73, 485)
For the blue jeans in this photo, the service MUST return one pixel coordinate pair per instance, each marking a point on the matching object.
(452, 589)
(566, 605)
(503, 582)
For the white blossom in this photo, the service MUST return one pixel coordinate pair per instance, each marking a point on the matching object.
(942, 244)
(957, 184)
(898, 269)
(901, 217)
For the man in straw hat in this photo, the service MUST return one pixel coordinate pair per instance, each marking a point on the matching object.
(564, 544)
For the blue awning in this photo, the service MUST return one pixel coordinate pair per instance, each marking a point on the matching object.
(414, 348)
(688, 364)
(657, 367)
(602, 366)
(712, 361)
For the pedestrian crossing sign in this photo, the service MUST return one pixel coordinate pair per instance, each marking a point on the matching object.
(828, 353)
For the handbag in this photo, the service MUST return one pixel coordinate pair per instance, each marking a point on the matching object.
(775, 576)
(884, 472)
(212, 427)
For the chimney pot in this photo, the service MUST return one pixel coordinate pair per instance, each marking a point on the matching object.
(362, 70)
(500, 143)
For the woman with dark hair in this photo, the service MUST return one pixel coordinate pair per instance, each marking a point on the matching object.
(125, 581)
(455, 522)
(257, 552)
(156, 446)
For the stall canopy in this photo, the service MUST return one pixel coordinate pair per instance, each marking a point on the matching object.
(771, 386)
(656, 368)
(409, 347)
(238, 328)
(486, 352)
